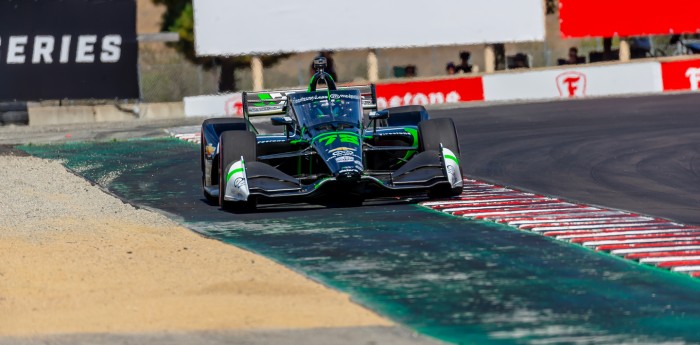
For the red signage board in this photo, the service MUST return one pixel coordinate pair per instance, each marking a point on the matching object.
(681, 75)
(430, 92)
(606, 18)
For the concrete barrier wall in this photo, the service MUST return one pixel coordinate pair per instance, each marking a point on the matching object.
(574, 81)
(40, 115)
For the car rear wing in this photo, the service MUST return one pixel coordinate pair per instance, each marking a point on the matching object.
(275, 102)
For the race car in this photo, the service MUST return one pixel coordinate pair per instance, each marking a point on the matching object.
(329, 152)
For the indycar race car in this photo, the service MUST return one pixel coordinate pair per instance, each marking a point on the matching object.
(328, 152)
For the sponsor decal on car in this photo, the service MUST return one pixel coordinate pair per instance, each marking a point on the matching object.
(239, 182)
(209, 150)
(342, 148)
(344, 159)
(344, 138)
(344, 96)
(267, 141)
(343, 153)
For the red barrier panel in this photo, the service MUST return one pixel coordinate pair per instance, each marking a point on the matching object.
(606, 18)
(430, 92)
(681, 75)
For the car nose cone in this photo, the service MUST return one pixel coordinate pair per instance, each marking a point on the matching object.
(348, 177)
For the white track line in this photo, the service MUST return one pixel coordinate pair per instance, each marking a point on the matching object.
(583, 221)
(526, 211)
(620, 233)
(554, 217)
(668, 259)
(534, 205)
(686, 269)
(645, 240)
(495, 201)
(652, 250)
(600, 226)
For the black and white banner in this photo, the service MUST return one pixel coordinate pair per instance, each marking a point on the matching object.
(76, 49)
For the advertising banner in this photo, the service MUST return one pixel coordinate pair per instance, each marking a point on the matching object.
(51, 49)
(430, 92)
(244, 27)
(575, 82)
(681, 75)
(605, 18)
(228, 104)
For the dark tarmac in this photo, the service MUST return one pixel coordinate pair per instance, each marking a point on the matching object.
(639, 153)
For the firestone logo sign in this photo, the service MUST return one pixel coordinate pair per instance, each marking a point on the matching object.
(693, 75)
(419, 99)
(571, 84)
(234, 105)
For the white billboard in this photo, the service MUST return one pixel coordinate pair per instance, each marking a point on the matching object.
(245, 27)
(577, 81)
(226, 104)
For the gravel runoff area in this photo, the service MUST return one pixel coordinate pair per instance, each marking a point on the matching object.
(78, 265)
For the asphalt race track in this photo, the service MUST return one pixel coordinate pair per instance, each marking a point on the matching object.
(468, 281)
(639, 153)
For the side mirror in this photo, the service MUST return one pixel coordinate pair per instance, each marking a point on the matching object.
(281, 121)
(379, 115)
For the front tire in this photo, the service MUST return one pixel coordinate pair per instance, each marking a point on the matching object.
(431, 134)
(232, 146)
(219, 124)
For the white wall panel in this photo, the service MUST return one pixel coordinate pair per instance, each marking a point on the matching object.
(583, 81)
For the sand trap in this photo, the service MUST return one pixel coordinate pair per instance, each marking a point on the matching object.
(76, 260)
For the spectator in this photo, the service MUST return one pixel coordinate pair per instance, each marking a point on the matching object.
(573, 56)
(410, 71)
(572, 59)
(520, 61)
(451, 69)
(464, 66)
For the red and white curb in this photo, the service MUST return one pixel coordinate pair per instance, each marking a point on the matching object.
(648, 240)
(190, 137)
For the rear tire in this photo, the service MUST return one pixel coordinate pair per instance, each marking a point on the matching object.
(431, 134)
(232, 146)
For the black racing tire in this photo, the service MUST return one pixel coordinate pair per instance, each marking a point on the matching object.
(432, 133)
(232, 146)
(407, 115)
(14, 117)
(221, 123)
